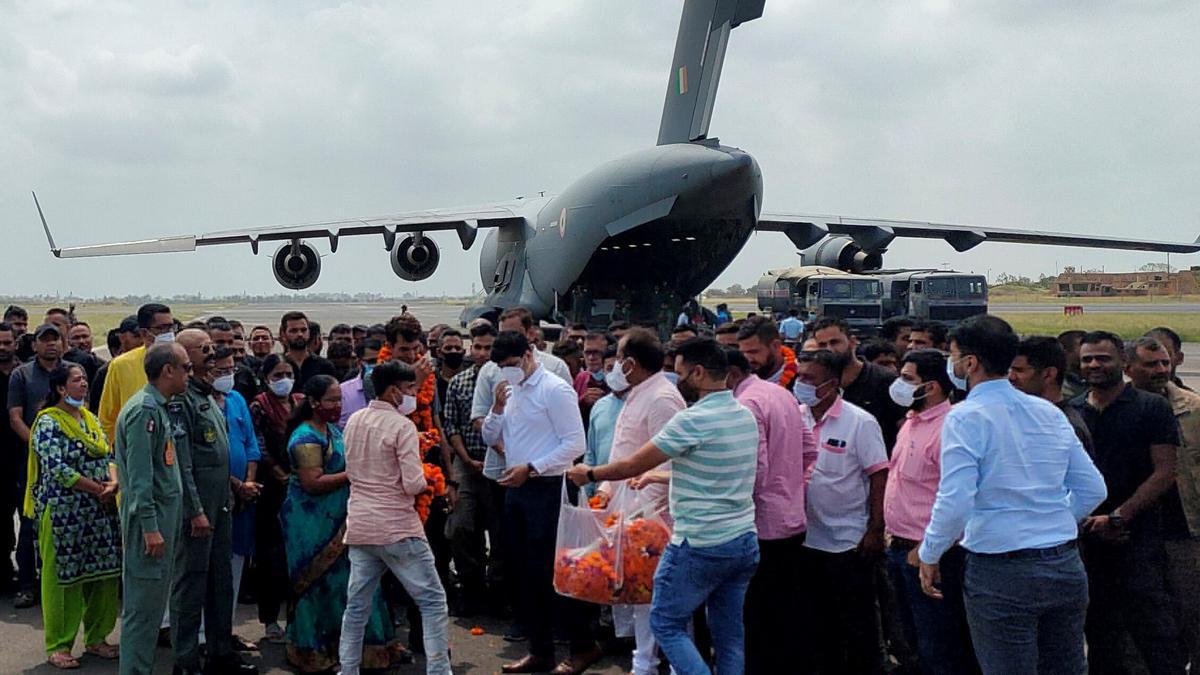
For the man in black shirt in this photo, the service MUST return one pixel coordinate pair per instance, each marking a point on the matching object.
(293, 334)
(863, 384)
(10, 454)
(1136, 439)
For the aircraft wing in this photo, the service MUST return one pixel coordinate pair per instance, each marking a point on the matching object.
(874, 234)
(465, 221)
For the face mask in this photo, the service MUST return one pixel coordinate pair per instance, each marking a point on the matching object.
(513, 375)
(407, 405)
(223, 384)
(74, 402)
(282, 387)
(616, 379)
(368, 369)
(166, 337)
(960, 382)
(329, 415)
(686, 390)
(673, 378)
(598, 375)
(904, 393)
(453, 359)
(807, 393)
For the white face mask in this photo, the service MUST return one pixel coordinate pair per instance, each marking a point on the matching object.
(282, 387)
(616, 378)
(807, 393)
(166, 337)
(223, 384)
(513, 375)
(959, 382)
(407, 405)
(903, 393)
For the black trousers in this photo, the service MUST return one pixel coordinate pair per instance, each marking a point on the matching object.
(531, 526)
(840, 626)
(1127, 591)
(272, 588)
(772, 602)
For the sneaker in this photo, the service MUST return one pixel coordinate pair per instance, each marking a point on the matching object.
(24, 600)
(275, 634)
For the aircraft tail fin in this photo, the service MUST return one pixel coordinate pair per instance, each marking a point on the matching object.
(696, 68)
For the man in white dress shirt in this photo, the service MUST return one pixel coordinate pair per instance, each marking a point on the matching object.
(535, 415)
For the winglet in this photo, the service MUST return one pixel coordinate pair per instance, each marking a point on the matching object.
(49, 237)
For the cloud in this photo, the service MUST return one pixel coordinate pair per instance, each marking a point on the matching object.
(178, 117)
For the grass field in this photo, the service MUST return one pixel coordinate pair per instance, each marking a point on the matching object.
(1126, 325)
(1016, 294)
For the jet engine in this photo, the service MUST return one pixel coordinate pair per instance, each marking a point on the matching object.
(296, 265)
(843, 254)
(415, 258)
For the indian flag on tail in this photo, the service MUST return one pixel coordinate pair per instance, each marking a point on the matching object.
(683, 85)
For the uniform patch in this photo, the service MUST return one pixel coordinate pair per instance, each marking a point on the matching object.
(204, 407)
(169, 454)
(210, 435)
(150, 425)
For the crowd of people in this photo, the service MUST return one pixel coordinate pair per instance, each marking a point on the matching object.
(930, 501)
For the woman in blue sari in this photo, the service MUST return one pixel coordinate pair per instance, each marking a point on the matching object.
(313, 517)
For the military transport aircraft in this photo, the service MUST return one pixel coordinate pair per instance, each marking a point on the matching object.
(634, 238)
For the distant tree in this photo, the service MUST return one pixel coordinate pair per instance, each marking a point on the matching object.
(1156, 267)
(735, 291)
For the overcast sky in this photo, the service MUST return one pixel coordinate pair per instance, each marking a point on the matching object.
(136, 120)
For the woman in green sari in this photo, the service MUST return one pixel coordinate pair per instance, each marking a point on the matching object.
(313, 517)
(70, 497)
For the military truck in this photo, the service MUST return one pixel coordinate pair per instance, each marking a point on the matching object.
(823, 291)
(936, 295)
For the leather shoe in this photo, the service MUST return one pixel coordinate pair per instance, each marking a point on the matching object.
(229, 665)
(576, 664)
(529, 664)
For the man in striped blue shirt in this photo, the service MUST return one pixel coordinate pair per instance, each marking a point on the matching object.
(713, 448)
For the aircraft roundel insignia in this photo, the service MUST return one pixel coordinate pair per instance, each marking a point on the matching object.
(562, 223)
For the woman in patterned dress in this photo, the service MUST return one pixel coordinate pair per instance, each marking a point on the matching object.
(71, 498)
(314, 523)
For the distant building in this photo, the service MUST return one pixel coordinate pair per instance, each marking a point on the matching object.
(1101, 284)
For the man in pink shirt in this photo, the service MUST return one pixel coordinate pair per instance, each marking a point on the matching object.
(383, 530)
(652, 400)
(786, 450)
(938, 628)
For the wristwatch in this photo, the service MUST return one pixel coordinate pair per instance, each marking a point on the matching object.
(591, 475)
(533, 473)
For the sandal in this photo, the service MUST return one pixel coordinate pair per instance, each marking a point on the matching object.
(103, 650)
(63, 661)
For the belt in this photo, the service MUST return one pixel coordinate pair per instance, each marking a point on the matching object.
(1027, 553)
(902, 544)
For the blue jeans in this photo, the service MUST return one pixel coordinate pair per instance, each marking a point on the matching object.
(936, 628)
(715, 576)
(411, 560)
(1026, 612)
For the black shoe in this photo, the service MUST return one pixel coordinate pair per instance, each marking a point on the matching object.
(228, 665)
(24, 600)
(180, 670)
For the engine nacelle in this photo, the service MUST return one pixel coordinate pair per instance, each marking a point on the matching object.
(296, 266)
(843, 254)
(415, 259)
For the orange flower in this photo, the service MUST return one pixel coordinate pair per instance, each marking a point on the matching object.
(477, 630)
(642, 545)
(587, 574)
(436, 488)
(789, 368)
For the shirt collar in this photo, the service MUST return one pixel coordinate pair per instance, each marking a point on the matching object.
(835, 410)
(927, 414)
(1180, 401)
(984, 387)
(745, 384)
(538, 373)
(376, 404)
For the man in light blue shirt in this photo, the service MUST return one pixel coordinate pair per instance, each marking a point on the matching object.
(1015, 483)
(791, 328)
(602, 421)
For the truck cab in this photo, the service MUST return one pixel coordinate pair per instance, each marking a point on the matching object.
(823, 291)
(943, 296)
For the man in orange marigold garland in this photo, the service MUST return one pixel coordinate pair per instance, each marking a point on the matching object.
(536, 416)
(760, 342)
(383, 529)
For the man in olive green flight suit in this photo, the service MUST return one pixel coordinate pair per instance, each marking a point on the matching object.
(148, 476)
(203, 574)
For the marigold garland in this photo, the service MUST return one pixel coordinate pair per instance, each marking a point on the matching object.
(789, 368)
(436, 481)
